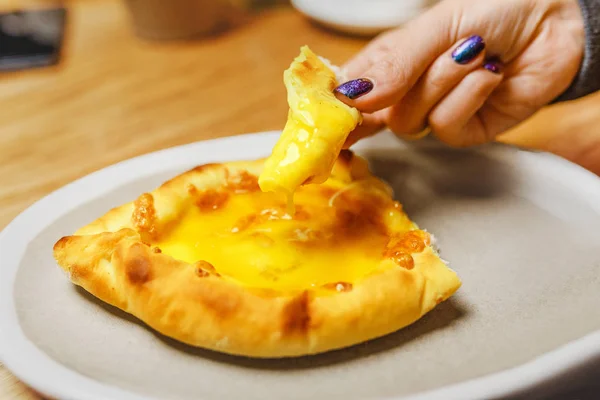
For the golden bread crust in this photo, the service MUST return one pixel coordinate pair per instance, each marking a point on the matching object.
(113, 259)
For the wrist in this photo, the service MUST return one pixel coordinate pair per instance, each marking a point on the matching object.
(570, 18)
(567, 20)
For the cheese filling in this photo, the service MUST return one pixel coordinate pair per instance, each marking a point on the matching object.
(252, 239)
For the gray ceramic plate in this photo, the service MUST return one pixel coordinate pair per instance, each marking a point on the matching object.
(520, 228)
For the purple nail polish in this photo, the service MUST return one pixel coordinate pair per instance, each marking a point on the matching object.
(355, 88)
(468, 50)
(493, 65)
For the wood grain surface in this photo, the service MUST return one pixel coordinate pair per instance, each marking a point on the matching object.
(114, 96)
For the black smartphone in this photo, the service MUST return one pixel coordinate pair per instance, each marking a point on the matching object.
(31, 38)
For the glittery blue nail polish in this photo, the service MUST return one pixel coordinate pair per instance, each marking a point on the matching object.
(493, 65)
(468, 50)
(355, 88)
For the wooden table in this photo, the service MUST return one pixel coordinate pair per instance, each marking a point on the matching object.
(114, 96)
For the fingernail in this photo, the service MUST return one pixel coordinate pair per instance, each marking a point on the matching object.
(468, 50)
(355, 88)
(493, 65)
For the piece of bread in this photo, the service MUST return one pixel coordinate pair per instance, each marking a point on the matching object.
(210, 260)
(317, 127)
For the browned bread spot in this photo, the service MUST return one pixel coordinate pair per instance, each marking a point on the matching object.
(78, 272)
(243, 181)
(144, 215)
(205, 167)
(223, 304)
(137, 265)
(403, 260)
(296, 315)
(210, 199)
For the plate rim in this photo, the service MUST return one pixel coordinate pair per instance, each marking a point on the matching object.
(49, 377)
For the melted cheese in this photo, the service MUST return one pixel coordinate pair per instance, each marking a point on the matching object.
(252, 240)
(316, 128)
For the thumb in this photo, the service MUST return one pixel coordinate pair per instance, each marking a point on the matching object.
(388, 67)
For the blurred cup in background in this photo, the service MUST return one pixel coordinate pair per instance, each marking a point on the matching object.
(179, 19)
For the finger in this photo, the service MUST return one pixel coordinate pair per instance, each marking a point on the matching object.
(447, 71)
(394, 61)
(372, 123)
(454, 119)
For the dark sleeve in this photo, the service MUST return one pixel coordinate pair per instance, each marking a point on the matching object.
(588, 77)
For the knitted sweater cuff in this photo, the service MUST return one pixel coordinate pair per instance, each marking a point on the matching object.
(588, 77)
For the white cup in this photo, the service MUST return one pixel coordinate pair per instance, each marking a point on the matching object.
(362, 17)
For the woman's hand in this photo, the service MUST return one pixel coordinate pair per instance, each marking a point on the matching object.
(467, 69)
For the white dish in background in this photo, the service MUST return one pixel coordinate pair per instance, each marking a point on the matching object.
(520, 228)
(361, 17)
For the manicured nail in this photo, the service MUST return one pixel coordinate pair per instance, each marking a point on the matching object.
(355, 88)
(468, 50)
(493, 65)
